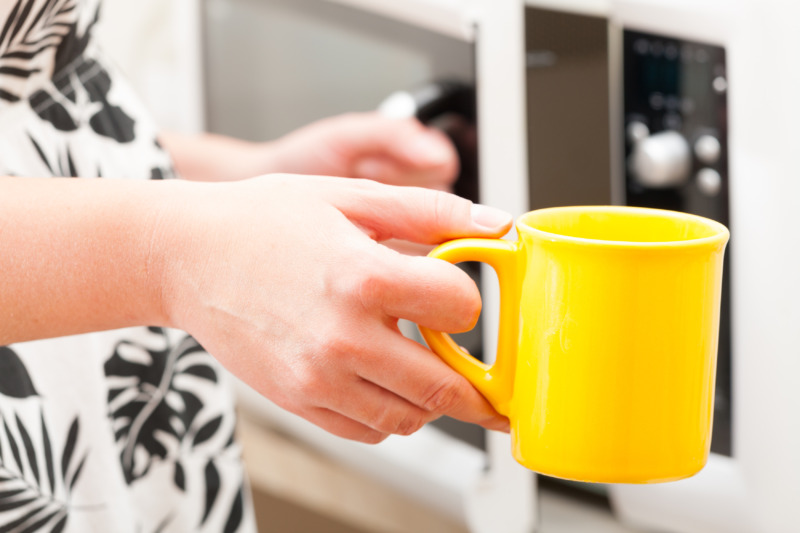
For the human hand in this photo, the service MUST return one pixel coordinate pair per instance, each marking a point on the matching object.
(281, 279)
(370, 146)
(356, 145)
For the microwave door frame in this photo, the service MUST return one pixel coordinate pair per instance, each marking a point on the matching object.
(447, 17)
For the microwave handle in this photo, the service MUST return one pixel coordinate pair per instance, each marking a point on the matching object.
(432, 101)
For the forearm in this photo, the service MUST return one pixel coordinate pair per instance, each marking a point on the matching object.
(211, 157)
(279, 277)
(76, 256)
(355, 145)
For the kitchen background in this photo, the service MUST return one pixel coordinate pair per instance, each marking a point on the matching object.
(255, 68)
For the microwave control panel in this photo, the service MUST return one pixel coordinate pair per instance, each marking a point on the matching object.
(676, 124)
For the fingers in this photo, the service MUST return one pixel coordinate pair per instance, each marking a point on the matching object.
(429, 292)
(343, 426)
(417, 215)
(377, 408)
(397, 151)
(389, 171)
(423, 147)
(414, 374)
(404, 139)
(395, 391)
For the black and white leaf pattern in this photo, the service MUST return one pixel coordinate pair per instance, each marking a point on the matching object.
(162, 526)
(48, 457)
(14, 379)
(52, 111)
(73, 43)
(14, 450)
(62, 166)
(155, 399)
(180, 476)
(212, 489)
(207, 431)
(236, 514)
(112, 121)
(28, 33)
(69, 447)
(163, 400)
(30, 486)
(60, 525)
(33, 463)
(25, 36)
(86, 81)
(32, 498)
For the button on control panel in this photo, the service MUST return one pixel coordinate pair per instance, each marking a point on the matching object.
(707, 149)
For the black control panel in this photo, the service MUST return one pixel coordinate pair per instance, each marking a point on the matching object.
(676, 152)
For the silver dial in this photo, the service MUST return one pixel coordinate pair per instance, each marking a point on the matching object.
(709, 181)
(661, 160)
(707, 149)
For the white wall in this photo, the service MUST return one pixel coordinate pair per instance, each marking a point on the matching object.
(765, 141)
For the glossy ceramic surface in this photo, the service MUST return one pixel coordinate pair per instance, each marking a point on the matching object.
(607, 344)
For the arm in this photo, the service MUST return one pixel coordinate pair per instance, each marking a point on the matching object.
(76, 256)
(280, 278)
(212, 157)
(356, 145)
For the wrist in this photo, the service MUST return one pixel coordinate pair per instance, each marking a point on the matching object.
(135, 247)
(169, 247)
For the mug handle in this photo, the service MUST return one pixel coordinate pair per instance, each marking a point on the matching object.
(494, 381)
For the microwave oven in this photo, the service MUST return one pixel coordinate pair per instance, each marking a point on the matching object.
(638, 102)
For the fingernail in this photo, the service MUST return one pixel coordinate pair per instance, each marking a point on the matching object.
(430, 150)
(490, 217)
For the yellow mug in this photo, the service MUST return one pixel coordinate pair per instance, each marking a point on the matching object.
(607, 345)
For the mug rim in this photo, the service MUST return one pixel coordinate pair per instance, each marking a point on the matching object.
(720, 234)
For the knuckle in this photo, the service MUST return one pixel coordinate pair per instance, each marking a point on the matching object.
(309, 380)
(447, 210)
(371, 436)
(335, 342)
(462, 308)
(411, 425)
(445, 394)
(443, 207)
(398, 423)
(326, 359)
(470, 309)
(371, 288)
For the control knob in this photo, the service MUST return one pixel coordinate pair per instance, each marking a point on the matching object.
(661, 160)
(708, 149)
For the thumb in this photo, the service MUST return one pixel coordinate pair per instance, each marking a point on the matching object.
(419, 215)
